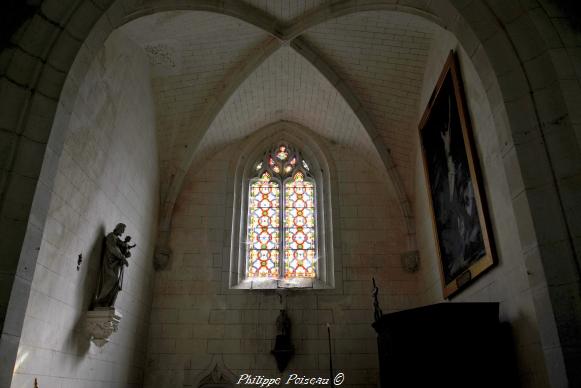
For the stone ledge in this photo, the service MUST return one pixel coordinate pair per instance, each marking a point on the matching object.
(101, 323)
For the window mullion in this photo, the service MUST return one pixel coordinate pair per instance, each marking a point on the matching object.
(281, 230)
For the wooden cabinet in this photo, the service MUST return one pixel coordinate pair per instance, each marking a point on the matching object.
(445, 345)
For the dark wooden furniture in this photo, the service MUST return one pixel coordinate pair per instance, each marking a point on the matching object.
(444, 345)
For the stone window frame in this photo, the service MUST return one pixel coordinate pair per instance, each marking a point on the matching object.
(310, 146)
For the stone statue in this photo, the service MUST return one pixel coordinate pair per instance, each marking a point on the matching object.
(113, 262)
(283, 348)
(283, 324)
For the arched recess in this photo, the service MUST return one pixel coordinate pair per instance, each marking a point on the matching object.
(119, 14)
(203, 126)
(39, 83)
(323, 169)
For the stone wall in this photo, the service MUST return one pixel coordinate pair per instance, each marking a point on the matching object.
(528, 49)
(508, 282)
(108, 173)
(197, 321)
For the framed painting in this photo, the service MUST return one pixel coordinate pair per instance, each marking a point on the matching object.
(459, 213)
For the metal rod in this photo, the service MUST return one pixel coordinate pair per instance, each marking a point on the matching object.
(330, 357)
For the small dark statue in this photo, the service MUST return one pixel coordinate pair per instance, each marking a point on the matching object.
(283, 348)
(283, 324)
(114, 260)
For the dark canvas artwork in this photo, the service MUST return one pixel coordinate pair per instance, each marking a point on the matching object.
(452, 191)
(455, 199)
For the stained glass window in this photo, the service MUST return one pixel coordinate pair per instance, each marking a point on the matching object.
(282, 229)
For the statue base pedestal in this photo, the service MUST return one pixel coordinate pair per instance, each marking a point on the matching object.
(100, 323)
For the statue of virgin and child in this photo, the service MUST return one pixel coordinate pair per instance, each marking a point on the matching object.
(113, 262)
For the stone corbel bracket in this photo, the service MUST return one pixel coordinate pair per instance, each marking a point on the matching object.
(410, 261)
(161, 257)
(101, 323)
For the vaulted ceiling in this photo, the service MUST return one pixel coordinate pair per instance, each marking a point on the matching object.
(354, 79)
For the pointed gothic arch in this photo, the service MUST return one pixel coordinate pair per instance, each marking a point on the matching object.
(321, 172)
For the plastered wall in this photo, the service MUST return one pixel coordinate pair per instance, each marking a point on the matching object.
(508, 282)
(197, 321)
(107, 174)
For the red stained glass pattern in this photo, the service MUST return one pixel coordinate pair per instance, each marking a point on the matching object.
(263, 228)
(299, 228)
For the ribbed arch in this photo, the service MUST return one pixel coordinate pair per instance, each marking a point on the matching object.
(268, 24)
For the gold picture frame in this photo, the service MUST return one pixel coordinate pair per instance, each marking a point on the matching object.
(459, 213)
